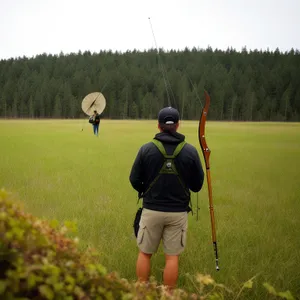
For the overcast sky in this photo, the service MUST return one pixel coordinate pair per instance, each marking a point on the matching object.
(30, 27)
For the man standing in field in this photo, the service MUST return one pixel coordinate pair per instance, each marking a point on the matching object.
(163, 173)
(95, 121)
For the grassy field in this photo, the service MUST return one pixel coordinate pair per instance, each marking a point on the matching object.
(61, 172)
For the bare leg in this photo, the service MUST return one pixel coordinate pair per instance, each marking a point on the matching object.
(143, 266)
(171, 271)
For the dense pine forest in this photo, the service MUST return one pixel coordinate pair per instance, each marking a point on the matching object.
(243, 85)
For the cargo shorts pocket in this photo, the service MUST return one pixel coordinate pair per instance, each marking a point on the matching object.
(183, 237)
(141, 233)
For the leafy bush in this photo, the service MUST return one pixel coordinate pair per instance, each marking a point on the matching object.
(38, 261)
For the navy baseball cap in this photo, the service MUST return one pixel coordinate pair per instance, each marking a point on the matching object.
(168, 115)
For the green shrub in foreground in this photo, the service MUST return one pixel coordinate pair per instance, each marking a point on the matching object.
(38, 261)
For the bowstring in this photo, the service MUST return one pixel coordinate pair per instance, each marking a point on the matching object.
(202, 106)
(168, 87)
(195, 89)
(163, 70)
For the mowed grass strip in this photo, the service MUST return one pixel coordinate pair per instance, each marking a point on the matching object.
(63, 172)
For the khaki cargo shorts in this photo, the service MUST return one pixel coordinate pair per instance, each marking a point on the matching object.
(170, 227)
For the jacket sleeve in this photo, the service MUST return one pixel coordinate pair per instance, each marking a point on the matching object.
(136, 174)
(197, 177)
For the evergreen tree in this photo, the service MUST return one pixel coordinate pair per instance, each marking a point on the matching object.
(250, 85)
(57, 110)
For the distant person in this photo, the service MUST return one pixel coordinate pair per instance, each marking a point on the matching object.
(163, 173)
(95, 121)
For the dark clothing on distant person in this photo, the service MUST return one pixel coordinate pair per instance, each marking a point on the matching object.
(95, 121)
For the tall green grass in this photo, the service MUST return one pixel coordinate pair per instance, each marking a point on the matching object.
(64, 173)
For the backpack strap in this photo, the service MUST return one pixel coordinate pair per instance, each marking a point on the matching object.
(162, 149)
(168, 166)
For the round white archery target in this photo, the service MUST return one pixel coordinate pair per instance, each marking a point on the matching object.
(93, 101)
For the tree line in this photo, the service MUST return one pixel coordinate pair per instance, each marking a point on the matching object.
(247, 85)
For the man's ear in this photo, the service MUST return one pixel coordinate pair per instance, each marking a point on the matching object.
(177, 125)
(159, 128)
